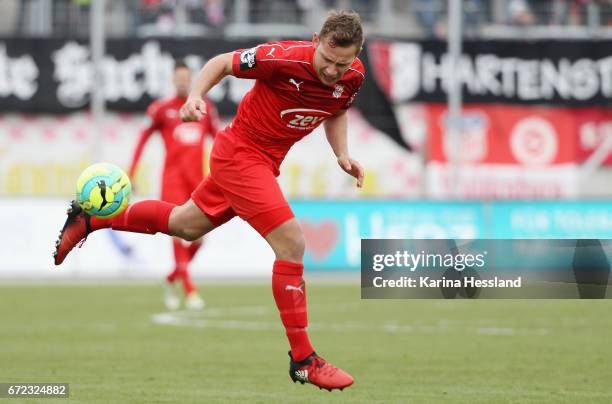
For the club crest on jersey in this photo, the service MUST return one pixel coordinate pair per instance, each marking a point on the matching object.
(247, 59)
(338, 89)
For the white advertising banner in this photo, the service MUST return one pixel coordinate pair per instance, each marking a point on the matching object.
(30, 226)
(44, 155)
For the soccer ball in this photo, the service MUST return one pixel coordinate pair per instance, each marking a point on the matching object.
(103, 190)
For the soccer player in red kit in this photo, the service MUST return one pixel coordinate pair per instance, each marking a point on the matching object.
(298, 86)
(183, 170)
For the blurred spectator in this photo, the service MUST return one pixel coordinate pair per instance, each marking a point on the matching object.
(24, 9)
(275, 11)
(207, 12)
(520, 13)
(365, 8)
(158, 12)
(432, 15)
(81, 15)
(605, 9)
(475, 12)
(196, 12)
(148, 11)
(68, 18)
(568, 12)
(214, 12)
(548, 12)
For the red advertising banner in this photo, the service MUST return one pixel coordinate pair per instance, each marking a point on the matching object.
(508, 151)
(593, 127)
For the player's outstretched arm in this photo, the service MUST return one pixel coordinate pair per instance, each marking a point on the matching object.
(336, 132)
(212, 73)
(145, 134)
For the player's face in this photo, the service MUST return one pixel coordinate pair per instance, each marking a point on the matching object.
(182, 81)
(332, 61)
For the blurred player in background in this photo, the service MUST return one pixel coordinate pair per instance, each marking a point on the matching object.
(183, 171)
(298, 86)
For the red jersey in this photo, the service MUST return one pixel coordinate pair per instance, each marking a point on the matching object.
(183, 141)
(288, 101)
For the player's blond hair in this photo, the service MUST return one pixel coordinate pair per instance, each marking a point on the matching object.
(343, 28)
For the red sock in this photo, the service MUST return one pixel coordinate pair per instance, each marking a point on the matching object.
(193, 249)
(147, 217)
(290, 295)
(188, 285)
(172, 275)
(182, 257)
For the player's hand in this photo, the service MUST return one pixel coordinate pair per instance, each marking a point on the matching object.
(193, 109)
(352, 167)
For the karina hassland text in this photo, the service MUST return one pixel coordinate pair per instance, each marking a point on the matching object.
(427, 282)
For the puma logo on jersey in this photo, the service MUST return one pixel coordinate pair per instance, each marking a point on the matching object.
(270, 53)
(296, 84)
(297, 288)
(301, 375)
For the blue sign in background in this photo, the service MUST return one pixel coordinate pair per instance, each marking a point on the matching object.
(551, 219)
(334, 229)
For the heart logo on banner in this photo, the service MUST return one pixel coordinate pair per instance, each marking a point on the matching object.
(321, 238)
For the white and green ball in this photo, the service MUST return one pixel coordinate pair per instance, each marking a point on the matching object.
(103, 190)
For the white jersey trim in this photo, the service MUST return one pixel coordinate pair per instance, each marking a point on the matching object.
(285, 60)
(355, 70)
(286, 111)
(289, 47)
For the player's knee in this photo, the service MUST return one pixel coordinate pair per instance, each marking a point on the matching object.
(298, 245)
(188, 222)
(293, 247)
(190, 234)
(287, 241)
(176, 221)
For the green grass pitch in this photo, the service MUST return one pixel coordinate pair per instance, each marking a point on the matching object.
(116, 344)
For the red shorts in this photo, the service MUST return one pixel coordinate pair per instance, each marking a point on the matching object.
(241, 182)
